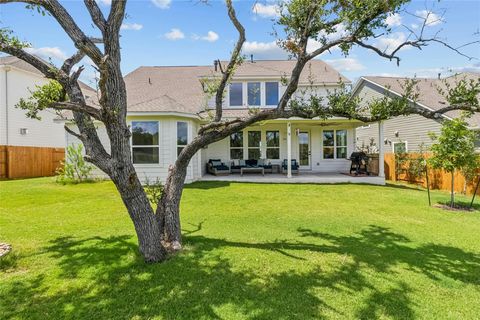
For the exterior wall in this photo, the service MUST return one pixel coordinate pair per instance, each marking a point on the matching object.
(41, 133)
(221, 149)
(167, 146)
(413, 129)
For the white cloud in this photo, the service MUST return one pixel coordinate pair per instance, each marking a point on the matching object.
(346, 64)
(48, 52)
(267, 10)
(174, 34)
(432, 19)
(264, 50)
(210, 37)
(390, 43)
(162, 4)
(131, 26)
(105, 2)
(414, 26)
(394, 20)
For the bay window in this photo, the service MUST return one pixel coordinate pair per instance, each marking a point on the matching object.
(145, 142)
(273, 144)
(236, 145)
(182, 136)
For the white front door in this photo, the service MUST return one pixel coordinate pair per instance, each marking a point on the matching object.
(304, 153)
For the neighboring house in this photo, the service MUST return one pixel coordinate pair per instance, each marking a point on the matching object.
(17, 79)
(167, 105)
(408, 133)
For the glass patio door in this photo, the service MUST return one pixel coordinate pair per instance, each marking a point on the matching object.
(304, 150)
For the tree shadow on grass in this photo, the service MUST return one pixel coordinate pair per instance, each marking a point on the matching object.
(104, 278)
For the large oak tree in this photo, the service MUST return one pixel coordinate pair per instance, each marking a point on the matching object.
(301, 21)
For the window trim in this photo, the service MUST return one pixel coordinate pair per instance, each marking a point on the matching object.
(145, 146)
(265, 94)
(259, 93)
(242, 105)
(267, 147)
(399, 142)
(236, 148)
(259, 145)
(188, 137)
(335, 146)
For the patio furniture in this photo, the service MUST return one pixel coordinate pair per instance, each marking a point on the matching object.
(252, 170)
(359, 163)
(217, 167)
(294, 165)
(236, 167)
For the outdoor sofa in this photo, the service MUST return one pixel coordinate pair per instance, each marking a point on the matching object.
(217, 167)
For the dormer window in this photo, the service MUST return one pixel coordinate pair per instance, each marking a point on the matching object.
(236, 94)
(254, 94)
(271, 93)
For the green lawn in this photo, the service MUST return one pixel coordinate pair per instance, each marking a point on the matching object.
(252, 251)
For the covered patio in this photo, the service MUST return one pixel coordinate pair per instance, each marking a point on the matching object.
(302, 177)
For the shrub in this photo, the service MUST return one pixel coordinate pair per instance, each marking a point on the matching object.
(74, 169)
(153, 190)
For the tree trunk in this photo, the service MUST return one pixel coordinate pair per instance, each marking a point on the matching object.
(168, 210)
(141, 212)
(452, 195)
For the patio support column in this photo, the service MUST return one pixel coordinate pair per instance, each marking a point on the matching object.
(381, 146)
(289, 150)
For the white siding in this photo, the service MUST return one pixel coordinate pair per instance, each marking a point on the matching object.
(41, 133)
(221, 149)
(413, 129)
(168, 149)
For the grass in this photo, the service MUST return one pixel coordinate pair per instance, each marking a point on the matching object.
(252, 251)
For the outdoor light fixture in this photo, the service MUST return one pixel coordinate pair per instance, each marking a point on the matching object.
(23, 131)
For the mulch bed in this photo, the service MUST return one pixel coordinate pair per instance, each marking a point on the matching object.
(5, 248)
(456, 208)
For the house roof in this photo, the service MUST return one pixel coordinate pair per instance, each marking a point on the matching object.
(429, 96)
(178, 89)
(18, 63)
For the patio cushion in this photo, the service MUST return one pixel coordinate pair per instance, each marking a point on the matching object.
(251, 162)
(241, 163)
(260, 162)
(216, 163)
(221, 167)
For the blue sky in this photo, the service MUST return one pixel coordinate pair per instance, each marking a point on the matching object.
(169, 32)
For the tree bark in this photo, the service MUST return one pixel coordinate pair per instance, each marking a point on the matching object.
(141, 213)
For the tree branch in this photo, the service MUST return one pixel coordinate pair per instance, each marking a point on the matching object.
(82, 108)
(73, 60)
(96, 14)
(232, 63)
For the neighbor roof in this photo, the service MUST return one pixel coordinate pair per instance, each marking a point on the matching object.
(428, 91)
(178, 88)
(18, 63)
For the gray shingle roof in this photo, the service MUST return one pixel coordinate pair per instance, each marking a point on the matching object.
(428, 93)
(153, 88)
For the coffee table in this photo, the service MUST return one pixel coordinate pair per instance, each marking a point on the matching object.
(252, 170)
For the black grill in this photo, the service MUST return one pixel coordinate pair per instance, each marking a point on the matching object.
(359, 163)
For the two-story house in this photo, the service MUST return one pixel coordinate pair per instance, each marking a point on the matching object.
(167, 105)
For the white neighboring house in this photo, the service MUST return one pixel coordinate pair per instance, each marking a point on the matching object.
(408, 133)
(17, 79)
(167, 105)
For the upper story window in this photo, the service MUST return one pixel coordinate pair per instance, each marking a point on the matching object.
(254, 94)
(271, 93)
(145, 142)
(182, 136)
(236, 94)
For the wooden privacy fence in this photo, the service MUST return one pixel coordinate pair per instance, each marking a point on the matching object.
(29, 162)
(397, 171)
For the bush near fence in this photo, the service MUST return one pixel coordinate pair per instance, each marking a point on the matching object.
(29, 162)
(438, 179)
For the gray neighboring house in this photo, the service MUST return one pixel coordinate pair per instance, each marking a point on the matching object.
(407, 133)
